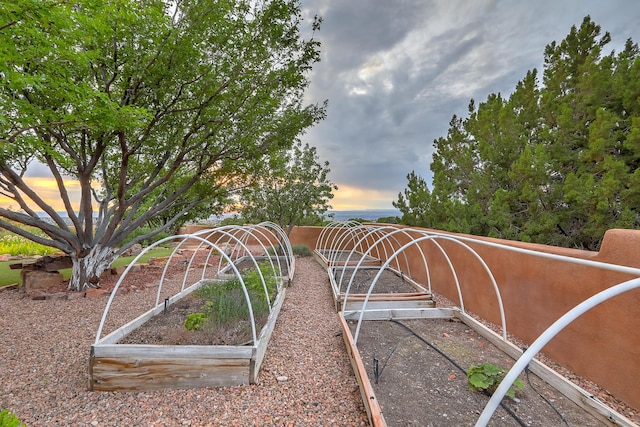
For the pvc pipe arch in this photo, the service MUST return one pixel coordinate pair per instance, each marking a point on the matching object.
(383, 239)
(415, 241)
(330, 231)
(236, 234)
(544, 338)
(124, 274)
(341, 241)
(248, 254)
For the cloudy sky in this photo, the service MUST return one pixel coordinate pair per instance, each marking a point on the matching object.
(395, 72)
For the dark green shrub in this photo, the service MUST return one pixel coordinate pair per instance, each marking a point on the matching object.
(301, 250)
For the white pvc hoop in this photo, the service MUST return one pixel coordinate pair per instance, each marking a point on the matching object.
(183, 236)
(213, 247)
(544, 338)
(415, 242)
(385, 237)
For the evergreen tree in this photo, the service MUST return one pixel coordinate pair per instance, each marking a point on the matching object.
(555, 163)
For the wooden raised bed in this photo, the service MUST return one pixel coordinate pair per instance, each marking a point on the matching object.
(393, 290)
(596, 409)
(114, 366)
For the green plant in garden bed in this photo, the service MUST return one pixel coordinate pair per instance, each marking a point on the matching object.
(487, 378)
(226, 302)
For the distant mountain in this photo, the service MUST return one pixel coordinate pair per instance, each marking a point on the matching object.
(369, 214)
(338, 215)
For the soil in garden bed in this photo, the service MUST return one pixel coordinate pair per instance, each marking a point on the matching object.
(417, 386)
(280, 266)
(388, 282)
(169, 328)
(342, 256)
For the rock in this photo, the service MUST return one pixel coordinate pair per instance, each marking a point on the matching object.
(118, 270)
(5, 257)
(158, 260)
(10, 287)
(52, 263)
(282, 378)
(58, 296)
(133, 250)
(121, 269)
(94, 293)
(75, 295)
(38, 296)
(40, 280)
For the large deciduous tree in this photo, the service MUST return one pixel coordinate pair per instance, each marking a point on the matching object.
(557, 162)
(292, 189)
(152, 107)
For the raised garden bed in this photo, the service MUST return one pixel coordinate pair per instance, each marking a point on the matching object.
(392, 289)
(342, 257)
(141, 355)
(418, 380)
(246, 263)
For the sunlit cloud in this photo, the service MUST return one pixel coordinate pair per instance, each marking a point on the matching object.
(47, 189)
(353, 198)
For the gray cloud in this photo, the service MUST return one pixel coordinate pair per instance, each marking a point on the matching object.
(396, 72)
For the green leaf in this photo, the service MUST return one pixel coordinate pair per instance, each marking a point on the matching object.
(479, 380)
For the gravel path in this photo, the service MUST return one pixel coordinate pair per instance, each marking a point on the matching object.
(45, 349)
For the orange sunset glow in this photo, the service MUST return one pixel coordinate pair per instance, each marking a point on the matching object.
(47, 189)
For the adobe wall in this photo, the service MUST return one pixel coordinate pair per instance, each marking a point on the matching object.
(305, 236)
(603, 345)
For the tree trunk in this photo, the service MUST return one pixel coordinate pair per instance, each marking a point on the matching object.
(87, 269)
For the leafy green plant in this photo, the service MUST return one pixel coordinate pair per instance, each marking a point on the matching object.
(195, 321)
(253, 281)
(226, 302)
(487, 378)
(8, 419)
(17, 245)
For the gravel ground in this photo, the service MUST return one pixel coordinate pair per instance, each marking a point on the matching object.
(306, 378)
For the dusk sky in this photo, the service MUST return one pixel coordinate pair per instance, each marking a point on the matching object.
(395, 72)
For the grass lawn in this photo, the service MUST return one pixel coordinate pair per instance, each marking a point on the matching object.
(8, 276)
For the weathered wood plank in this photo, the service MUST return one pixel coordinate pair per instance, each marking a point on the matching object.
(151, 367)
(401, 314)
(374, 412)
(110, 374)
(173, 351)
(391, 297)
(265, 336)
(388, 305)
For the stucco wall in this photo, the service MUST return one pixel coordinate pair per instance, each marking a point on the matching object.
(603, 345)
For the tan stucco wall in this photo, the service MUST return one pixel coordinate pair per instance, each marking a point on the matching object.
(603, 345)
